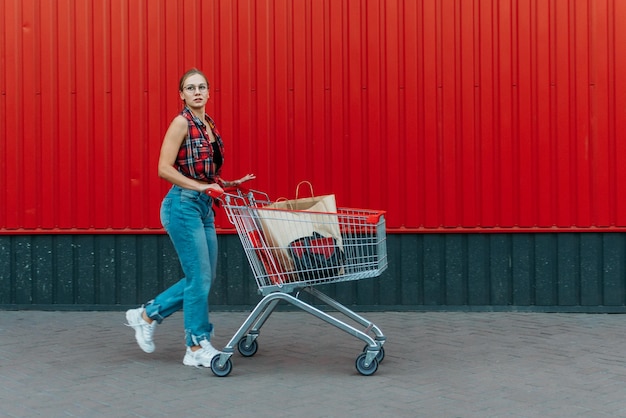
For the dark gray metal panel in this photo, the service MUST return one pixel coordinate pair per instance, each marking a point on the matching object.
(455, 256)
(405, 269)
(545, 269)
(347, 293)
(43, 265)
(433, 262)
(499, 274)
(591, 270)
(106, 279)
(568, 288)
(147, 266)
(477, 266)
(6, 270)
(560, 271)
(84, 261)
(613, 270)
(130, 281)
(22, 270)
(235, 283)
(522, 270)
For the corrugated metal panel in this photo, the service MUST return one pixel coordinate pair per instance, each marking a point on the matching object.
(449, 114)
(577, 272)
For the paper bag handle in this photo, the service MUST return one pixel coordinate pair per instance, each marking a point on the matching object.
(300, 184)
(292, 203)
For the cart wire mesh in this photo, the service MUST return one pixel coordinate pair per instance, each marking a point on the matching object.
(290, 249)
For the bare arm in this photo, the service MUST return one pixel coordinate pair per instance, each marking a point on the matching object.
(172, 141)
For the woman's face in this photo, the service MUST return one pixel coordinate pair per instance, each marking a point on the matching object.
(195, 91)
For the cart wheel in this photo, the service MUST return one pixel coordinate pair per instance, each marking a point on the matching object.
(381, 353)
(221, 372)
(247, 351)
(366, 371)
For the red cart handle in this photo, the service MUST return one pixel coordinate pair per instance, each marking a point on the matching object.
(226, 190)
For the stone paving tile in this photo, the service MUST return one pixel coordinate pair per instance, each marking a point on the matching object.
(437, 364)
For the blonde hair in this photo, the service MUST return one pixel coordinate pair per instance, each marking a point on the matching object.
(188, 74)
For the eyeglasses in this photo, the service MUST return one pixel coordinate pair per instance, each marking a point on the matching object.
(203, 88)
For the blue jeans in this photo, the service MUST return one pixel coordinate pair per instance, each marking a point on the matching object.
(188, 218)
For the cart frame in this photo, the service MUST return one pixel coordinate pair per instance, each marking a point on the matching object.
(243, 210)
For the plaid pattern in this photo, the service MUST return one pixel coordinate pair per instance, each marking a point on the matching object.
(195, 157)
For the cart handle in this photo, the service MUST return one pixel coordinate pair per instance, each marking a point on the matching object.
(227, 190)
(374, 218)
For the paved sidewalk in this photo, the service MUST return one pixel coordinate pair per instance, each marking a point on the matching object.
(437, 364)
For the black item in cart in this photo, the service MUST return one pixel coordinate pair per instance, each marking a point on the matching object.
(316, 256)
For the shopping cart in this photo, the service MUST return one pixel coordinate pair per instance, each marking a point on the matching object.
(356, 250)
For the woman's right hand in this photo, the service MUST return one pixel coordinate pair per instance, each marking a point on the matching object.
(213, 190)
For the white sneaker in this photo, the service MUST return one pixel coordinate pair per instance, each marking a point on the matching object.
(143, 330)
(201, 357)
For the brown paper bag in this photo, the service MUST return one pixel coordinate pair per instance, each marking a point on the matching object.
(286, 221)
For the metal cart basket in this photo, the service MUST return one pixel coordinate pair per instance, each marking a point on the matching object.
(290, 251)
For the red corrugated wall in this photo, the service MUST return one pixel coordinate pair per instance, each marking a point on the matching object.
(473, 115)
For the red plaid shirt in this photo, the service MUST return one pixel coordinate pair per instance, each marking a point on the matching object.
(195, 157)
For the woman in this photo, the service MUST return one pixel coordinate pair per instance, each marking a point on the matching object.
(191, 159)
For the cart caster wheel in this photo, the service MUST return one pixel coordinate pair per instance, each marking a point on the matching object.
(221, 372)
(381, 353)
(247, 351)
(366, 371)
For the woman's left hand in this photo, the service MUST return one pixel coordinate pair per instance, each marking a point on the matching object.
(245, 178)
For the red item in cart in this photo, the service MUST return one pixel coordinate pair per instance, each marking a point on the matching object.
(273, 269)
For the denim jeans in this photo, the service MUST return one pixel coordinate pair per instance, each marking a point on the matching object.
(188, 218)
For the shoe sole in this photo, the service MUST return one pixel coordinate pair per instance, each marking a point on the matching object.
(194, 363)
